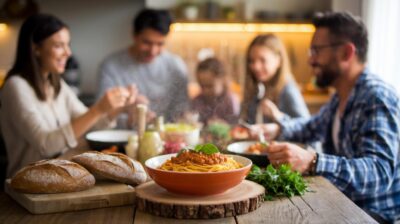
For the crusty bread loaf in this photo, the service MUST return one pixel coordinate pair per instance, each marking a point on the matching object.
(114, 166)
(52, 176)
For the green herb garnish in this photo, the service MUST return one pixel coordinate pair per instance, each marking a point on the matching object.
(264, 144)
(219, 130)
(207, 148)
(278, 182)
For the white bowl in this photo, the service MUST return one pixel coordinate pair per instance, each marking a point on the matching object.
(240, 148)
(190, 136)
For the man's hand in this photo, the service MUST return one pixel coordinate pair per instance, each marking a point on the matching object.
(142, 99)
(125, 96)
(271, 130)
(286, 153)
(133, 94)
(113, 100)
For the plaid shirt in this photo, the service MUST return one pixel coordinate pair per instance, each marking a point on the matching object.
(366, 165)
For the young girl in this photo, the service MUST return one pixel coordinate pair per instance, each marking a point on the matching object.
(41, 118)
(270, 89)
(215, 100)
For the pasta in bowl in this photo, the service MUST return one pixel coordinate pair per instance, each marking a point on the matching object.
(197, 173)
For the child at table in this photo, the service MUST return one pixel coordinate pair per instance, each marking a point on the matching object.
(216, 101)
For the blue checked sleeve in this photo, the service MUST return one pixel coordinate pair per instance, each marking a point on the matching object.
(307, 130)
(374, 145)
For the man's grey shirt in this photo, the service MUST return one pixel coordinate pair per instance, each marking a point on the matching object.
(163, 81)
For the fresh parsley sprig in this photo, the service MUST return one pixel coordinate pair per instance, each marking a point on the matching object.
(278, 182)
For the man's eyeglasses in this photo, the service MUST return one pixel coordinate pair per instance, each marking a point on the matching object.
(314, 50)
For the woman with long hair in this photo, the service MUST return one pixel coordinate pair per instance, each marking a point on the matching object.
(40, 116)
(270, 92)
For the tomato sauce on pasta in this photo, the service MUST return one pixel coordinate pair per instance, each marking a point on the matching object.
(189, 161)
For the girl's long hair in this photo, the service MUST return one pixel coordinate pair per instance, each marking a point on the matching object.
(216, 67)
(274, 86)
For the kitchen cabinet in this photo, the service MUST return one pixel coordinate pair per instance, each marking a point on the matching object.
(242, 10)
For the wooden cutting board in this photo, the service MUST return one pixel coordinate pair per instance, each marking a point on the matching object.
(244, 198)
(103, 194)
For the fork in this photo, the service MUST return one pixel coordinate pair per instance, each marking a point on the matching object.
(244, 124)
(260, 96)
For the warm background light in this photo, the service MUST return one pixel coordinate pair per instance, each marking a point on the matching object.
(3, 27)
(229, 42)
(243, 27)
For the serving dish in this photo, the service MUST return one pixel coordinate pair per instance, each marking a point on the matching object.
(196, 183)
(182, 132)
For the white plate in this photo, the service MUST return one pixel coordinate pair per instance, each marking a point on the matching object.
(110, 135)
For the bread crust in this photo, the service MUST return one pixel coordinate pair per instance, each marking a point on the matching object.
(52, 176)
(114, 166)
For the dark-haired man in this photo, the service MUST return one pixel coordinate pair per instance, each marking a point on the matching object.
(359, 127)
(160, 76)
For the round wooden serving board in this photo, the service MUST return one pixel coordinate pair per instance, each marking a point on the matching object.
(244, 198)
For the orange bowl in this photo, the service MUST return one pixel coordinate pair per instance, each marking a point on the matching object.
(196, 183)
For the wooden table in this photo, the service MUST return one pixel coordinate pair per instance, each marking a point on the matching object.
(326, 204)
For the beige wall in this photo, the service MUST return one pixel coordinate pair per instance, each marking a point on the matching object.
(103, 26)
(98, 27)
(353, 6)
(232, 49)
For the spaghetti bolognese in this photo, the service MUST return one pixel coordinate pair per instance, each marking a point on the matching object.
(192, 161)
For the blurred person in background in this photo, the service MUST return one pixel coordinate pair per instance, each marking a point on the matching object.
(160, 76)
(41, 118)
(270, 92)
(216, 101)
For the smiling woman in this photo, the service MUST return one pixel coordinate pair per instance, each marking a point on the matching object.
(271, 92)
(54, 52)
(41, 117)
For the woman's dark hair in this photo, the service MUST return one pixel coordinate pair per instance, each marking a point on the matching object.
(34, 31)
(159, 20)
(343, 26)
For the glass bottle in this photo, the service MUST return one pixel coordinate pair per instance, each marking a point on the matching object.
(160, 126)
(150, 145)
(131, 149)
